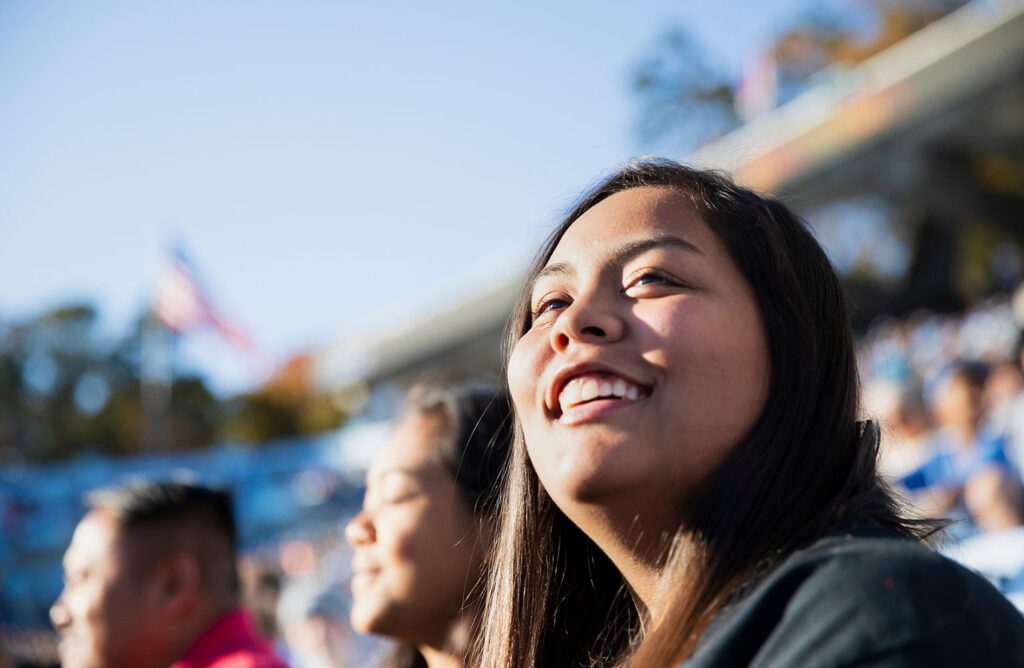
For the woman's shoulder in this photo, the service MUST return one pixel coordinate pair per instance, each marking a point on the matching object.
(867, 597)
(879, 560)
(875, 569)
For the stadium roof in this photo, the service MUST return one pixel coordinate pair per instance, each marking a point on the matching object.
(958, 81)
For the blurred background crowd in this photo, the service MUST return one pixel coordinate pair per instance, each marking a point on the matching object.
(896, 127)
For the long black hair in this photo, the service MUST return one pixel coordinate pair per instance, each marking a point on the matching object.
(807, 466)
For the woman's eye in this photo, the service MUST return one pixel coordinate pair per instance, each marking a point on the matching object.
(548, 305)
(392, 488)
(649, 278)
(396, 493)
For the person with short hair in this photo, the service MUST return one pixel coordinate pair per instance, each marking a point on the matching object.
(150, 581)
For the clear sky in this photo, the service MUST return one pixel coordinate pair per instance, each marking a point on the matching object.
(318, 160)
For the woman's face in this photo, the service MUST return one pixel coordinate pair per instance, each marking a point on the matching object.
(416, 544)
(646, 360)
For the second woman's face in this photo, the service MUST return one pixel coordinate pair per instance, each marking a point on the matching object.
(417, 547)
(645, 363)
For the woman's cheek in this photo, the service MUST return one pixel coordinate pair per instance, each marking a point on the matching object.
(524, 372)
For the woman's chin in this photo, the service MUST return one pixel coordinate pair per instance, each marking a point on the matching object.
(371, 618)
(361, 622)
(591, 477)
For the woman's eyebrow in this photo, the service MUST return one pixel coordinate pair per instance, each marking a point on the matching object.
(556, 269)
(628, 251)
(622, 255)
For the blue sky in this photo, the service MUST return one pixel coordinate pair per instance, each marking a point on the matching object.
(318, 160)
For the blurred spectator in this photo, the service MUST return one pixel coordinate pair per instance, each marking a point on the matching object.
(908, 439)
(261, 589)
(151, 581)
(421, 539)
(970, 473)
(970, 467)
(1005, 395)
(313, 618)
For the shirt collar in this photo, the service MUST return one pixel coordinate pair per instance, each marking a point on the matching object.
(223, 634)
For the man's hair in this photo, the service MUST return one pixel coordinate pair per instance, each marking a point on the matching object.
(173, 507)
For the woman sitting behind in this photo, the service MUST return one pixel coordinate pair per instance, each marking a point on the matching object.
(420, 540)
(688, 480)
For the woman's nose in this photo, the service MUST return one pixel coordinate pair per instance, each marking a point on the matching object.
(586, 320)
(360, 530)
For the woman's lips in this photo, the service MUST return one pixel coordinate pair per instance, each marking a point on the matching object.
(599, 388)
(593, 410)
(363, 578)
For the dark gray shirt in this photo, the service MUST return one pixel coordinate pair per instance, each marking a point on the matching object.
(866, 598)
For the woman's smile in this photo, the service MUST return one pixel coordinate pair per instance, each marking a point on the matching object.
(592, 384)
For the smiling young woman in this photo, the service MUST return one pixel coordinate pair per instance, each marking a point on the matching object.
(420, 540)
(687, 477)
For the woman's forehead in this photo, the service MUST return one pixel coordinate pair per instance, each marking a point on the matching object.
(630, 215)
(411, 448)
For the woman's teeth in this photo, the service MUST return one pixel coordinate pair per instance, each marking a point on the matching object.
(582, 389)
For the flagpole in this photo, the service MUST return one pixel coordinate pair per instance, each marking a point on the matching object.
(180, 304)
(156, 383)
(172, 371)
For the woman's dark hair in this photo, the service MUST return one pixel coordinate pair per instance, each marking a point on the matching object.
(477, 428)
(554, 599)
(472, 446)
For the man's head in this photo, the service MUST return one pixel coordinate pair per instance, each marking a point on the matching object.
(150, 566)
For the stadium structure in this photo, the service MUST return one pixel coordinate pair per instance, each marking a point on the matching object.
(910, 166)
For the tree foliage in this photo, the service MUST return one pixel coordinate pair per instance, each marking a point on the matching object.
(285, 406)
(685, 101)
(67, 389)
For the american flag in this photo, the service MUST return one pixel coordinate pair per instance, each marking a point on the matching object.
(181, 303)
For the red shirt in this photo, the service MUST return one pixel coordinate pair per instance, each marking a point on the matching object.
(232, 642)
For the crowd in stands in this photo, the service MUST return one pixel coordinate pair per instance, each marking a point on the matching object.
(948, 390)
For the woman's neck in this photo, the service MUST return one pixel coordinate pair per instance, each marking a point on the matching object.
(439, 658)
(638, 547)
(450, 649)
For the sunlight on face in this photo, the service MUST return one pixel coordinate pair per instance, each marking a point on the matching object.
(101, 613)
(416, 546)
(646, 361)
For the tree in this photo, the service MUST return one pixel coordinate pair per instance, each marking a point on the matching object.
(684, 100)
(826, 34)
(287, 405)
(65, 389)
